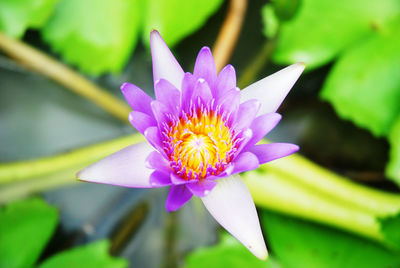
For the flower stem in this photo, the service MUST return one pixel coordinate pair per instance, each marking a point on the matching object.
(53, 69)
(308, 174)
(229, 33)
(24, 170)
(274, 191)
(261, 60)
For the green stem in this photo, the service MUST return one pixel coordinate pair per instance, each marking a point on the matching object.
(47, 66)
(253, 69)
(24, 170)
(274, 191)
(308, 174)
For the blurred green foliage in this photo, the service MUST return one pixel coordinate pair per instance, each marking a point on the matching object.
(94, 255)
(297, 243)
(98, 36)
(364, 83)
(16, 16)
(25, 229)
(227, 253)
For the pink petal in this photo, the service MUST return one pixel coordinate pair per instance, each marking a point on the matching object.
(167, 94)
(124, 168)
(137, 98)
(177, 197)
(272, 151)
(226, 80)
(205, 66)
(141, 121)
(159, 179)
(272, 90)
(165, 66)
(201, 188)
(231, 204)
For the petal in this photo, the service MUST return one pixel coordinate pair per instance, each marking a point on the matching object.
(124, 168)
(156, 161)
(231, 204)
(165, 66)
(188, 84)
(160, 111)
(203, 91)
(261, 126)
(272, 90)
(201, 188)
(244, 162)
(141, 121)
(226, 80)
(176, 180)
(205, 66)
(137, 98)
(246, 113)
(230, 101)
(159, 179)
(177, 197)
(167, 94)
(272, 151)
(152, 134)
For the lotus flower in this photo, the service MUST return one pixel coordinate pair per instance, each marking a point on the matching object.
(202, 131)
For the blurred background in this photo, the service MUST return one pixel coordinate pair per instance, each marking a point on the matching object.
(336, 203)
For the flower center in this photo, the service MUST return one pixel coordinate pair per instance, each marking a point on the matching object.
(199, 144)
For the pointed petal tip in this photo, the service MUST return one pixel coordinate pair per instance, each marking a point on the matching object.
(262, 255)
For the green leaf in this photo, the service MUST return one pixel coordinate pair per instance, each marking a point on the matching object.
(25, 228)
(271, 22)
(393, 167)
(16, 16)
(96, 35)
(295, 242)
(94, 255)
(175, 19)
(390, 227)
(228, 253)
(286, 9)
(364, 84)
(322, 29)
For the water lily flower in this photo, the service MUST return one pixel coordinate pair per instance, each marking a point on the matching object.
(202, 131)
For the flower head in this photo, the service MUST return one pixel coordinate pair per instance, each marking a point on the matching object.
(202, 131)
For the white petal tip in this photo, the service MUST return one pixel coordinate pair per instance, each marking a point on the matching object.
(262, 254)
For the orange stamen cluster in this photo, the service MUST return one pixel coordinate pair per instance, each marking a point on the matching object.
(199, 144)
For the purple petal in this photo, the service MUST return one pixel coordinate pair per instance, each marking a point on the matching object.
(246, 113)
(160, 111)
(272, 151)
(230, 101)
(188, 84)
(156, 161)
(137, 98)
(124, 168)
(231, 205)
(261, 126)
(176, 180)
(205, 66)
(152, 134)
(141, 121)
(244, 162)
(201, 188)
(167, 94)
(272, 90)
(165, 66)
(226, 80)
(159, 179)
(177, 197)
(203, 91)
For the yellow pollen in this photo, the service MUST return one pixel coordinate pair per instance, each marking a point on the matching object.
(200, 145)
